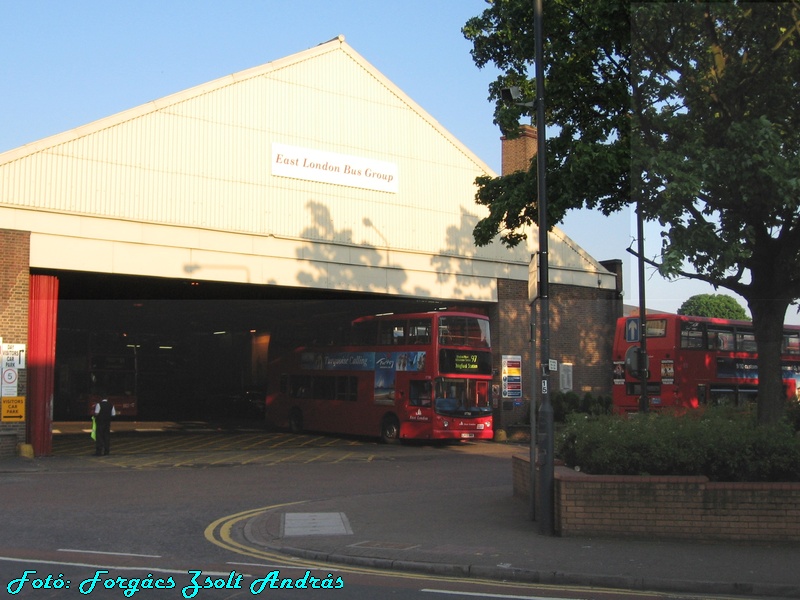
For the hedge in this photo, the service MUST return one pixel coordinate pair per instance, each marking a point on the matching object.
(721, 444)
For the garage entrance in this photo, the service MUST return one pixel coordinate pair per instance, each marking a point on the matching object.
(184, 350)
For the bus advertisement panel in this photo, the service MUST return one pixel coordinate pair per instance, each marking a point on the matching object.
(695, 361)
(433, 383)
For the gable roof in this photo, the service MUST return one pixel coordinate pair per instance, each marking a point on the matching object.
(335, 44)
(204, 157)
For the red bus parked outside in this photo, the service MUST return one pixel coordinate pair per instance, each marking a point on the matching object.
(695, 361)
(412, 376)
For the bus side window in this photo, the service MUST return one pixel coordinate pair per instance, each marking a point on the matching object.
(419, 393)
(745, 341)
(691, 335)
(391, 333)
(791, 343)
(719, 339)
(419, 332)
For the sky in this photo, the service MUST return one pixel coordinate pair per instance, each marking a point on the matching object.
(68, 63)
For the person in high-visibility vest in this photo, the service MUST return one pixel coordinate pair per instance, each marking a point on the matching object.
(103, 411)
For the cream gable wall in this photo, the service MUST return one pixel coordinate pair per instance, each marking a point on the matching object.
(183, 187)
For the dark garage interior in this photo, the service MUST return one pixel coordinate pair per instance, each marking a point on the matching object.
(170, 349)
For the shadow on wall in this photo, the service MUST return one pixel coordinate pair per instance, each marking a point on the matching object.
(337, 261)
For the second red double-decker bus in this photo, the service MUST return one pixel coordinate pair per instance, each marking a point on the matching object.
(412, 376)
(694, 361)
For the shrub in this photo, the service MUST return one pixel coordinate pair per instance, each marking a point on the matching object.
(722, 444)
(793, 414)
(568, 403)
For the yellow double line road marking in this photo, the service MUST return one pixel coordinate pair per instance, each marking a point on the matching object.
(219, 534)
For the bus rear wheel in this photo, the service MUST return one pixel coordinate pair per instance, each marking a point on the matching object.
(390, 430)
(296, 421)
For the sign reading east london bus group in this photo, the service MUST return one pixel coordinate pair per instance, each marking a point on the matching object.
(331, 167)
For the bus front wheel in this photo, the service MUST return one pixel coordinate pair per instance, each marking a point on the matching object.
(390, 429)
(296, 421)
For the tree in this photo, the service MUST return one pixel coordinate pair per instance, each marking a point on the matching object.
(688, 110)
(713, 305)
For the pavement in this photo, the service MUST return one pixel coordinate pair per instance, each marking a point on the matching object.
(493, 537)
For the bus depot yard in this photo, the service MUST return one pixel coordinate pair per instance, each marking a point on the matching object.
(705, 475)
(427, 377)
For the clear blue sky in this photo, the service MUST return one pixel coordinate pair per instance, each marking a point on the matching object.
(67, 63)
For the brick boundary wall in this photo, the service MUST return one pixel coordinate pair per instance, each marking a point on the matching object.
(668, 508)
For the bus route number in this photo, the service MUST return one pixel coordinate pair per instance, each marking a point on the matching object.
(466, 362)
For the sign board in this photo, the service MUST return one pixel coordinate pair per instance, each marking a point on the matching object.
(512, 376)
(331, 167)
(13, 355)
(632, 329)
(12, 358)
(9, 381)
(13, 409)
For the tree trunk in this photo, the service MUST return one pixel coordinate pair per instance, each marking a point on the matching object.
(768, 315)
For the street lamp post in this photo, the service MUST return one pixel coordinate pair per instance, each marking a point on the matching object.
(544, 436)
(546, 426)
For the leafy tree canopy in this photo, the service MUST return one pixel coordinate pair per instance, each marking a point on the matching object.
(713, 305)
(688, 110)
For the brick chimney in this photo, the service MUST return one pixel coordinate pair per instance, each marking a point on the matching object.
(518, 153)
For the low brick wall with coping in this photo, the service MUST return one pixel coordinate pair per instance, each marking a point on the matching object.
(669, 508)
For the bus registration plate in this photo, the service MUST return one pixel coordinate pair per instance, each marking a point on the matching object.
(467, 435)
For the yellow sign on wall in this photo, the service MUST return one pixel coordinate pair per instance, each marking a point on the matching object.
(13, 409)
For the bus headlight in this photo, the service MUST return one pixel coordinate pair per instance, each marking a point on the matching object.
(446, 424)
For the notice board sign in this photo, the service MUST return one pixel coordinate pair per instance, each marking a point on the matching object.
(13, 409)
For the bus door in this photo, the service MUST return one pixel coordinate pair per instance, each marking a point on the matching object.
(420, 402)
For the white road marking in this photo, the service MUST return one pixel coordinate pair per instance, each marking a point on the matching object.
(109, 553)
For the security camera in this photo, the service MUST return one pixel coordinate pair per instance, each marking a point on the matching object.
(511, 94)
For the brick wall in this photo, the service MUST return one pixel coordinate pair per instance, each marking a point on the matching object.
(14, 293)
(516, 154)
(511, 335)
(582, 322)
(670, 508)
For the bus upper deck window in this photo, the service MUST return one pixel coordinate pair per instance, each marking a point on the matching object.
(691, 335)
(746, 341)
(791, 343)
(720, 339)
(391, 333)
(419, 332)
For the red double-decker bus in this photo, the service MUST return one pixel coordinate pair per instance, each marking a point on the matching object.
(695, 361)
(412, 376)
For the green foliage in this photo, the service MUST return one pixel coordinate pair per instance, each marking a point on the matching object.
(720, 444)
(713, 305)
(568, 403)
(687, 109)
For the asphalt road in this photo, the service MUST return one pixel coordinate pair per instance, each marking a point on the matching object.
(167, 504)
